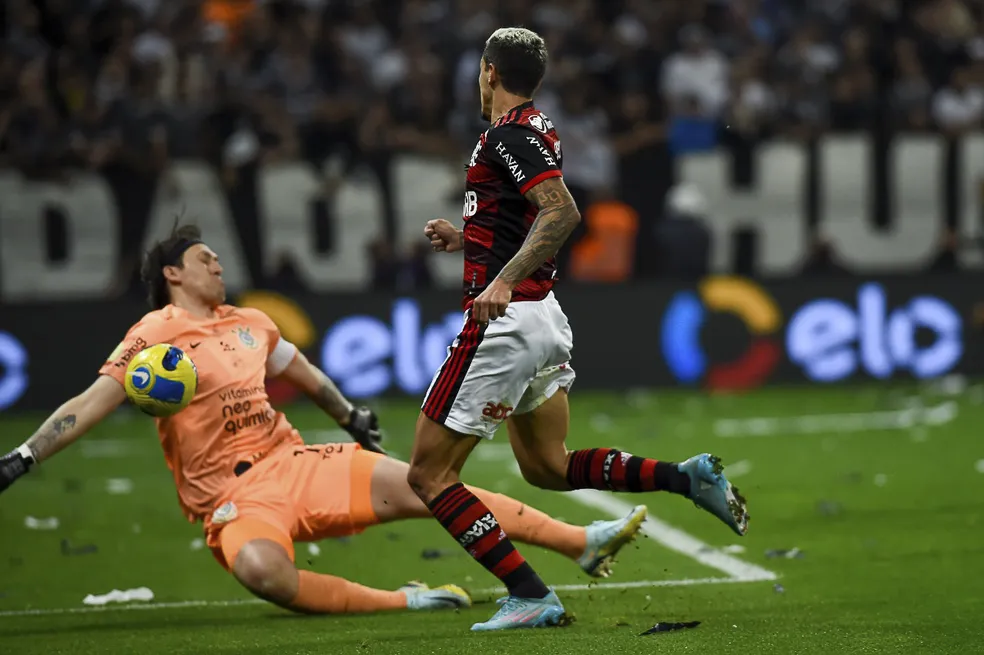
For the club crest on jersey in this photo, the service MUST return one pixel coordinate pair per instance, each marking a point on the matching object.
(225, 513)
(538, 123)
(246, 337)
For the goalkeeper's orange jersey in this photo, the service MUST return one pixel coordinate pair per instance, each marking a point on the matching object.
(230, 419)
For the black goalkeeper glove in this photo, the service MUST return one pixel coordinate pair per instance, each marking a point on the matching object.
(363, 426)
(13, 465)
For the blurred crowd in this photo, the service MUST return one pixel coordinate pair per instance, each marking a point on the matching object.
(134, 83)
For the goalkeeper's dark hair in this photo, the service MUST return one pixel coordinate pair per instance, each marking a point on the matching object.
(167, 252)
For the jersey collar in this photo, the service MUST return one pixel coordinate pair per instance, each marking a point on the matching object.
(514, 113)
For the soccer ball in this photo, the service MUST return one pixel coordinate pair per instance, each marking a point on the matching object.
(161, 380)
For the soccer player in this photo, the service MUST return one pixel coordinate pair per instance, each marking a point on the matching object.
(245, 472)
(511, 361)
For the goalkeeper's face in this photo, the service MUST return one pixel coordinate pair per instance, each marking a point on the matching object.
(201, 276)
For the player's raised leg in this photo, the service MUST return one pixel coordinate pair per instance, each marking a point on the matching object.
(538, 440)
(261, 557)
(394, 500)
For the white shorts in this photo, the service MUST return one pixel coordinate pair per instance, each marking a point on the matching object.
(511, 366)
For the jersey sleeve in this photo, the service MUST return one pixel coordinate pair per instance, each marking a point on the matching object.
(145, 333)
(525, 156)
(280, 352)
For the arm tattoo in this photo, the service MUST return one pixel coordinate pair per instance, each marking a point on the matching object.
(43, 442)
(330, 399)
(557, 219)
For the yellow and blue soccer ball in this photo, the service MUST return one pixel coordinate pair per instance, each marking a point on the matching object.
(161, 380)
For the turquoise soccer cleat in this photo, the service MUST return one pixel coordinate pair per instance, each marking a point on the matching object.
(711, 491)
(606, 538)
(422, 597)
(525, 613)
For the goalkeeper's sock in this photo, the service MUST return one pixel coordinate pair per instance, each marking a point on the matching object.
(527, 525)
(474, 526)
(327, 594)
(612, 470)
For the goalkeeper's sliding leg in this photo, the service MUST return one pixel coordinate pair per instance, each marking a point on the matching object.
(346, 492)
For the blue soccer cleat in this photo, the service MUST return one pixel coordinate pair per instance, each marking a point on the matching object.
(711, 491)
(606, 538)
(525, 613)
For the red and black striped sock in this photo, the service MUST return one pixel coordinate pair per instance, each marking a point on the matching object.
(474, 527)
(610, 469)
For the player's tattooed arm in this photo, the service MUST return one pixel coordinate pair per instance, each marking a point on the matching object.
(330, 399)
(43, 442)
(554, 223)
(76, 417)
(317, 386)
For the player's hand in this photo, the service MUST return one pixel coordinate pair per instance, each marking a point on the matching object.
(12, 466)
(444, 236)
(492, 303)
(363, 426)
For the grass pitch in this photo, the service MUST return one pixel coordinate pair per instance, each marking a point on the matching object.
(880, 489)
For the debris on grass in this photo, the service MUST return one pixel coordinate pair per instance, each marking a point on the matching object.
(787, 553)
(118, 596)
(649, 601)
(436, 553)
(50, 523)
(313, 550)
(670, 627)
(197, 543)
(881, 480)
(69, 550)
(778, 588)
(119, 486)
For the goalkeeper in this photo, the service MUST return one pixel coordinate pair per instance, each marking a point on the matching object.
(243, 471)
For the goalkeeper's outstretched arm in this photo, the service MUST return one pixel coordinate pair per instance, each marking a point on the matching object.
(65, 425)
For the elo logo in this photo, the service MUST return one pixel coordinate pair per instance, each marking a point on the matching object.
(366, 357)
(686, 314)
(831, 340)
(13, 362)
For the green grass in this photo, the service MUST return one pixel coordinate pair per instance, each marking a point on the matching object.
(896, 567)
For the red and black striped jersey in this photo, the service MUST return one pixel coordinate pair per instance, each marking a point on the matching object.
(519, 151)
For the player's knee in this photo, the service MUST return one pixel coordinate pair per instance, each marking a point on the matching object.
(422, 482)
(266, 570)
(545, 475)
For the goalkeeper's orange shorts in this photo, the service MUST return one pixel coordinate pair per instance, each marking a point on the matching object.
(304, 493)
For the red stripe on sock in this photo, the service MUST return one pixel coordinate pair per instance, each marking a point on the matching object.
(508, 564)
(647, 475)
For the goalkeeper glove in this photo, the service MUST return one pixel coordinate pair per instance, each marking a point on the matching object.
(13, 465)
(363, 426)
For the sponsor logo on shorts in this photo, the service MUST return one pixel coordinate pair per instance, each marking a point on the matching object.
(478, 529)
(227, 512)
(496, 412)
(123, 357)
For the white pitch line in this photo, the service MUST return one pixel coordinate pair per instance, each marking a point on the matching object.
(676, 539)
(188, 604)
(635, 584)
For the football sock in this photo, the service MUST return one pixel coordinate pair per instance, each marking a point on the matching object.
(610, 469)
(327, 594)
(527, 525)
(474, 526)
